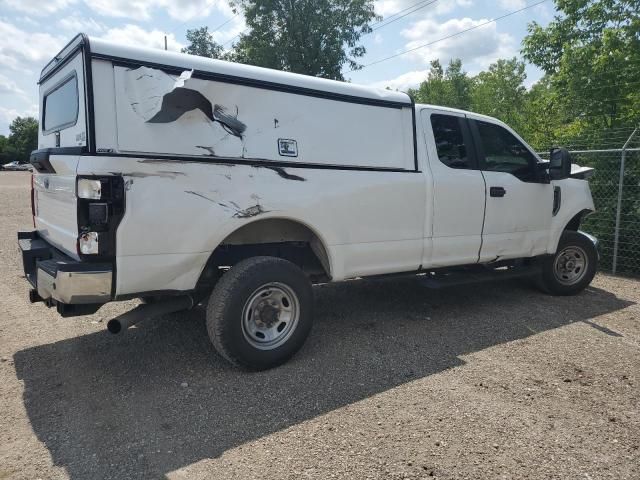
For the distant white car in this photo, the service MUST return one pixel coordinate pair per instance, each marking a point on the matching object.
(16, 166)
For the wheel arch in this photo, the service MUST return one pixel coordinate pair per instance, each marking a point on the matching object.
(574, 223)
(569, 222)
(283, 237)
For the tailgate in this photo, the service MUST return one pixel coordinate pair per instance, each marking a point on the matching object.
(62, 135)
(55, 204)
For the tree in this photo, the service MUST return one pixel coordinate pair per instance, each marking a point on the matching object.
(23, 138)
(7, 152)
(500, 92)
(201, 43)
(542, 126)
(313, 37)
(448, 88)
(591, 54)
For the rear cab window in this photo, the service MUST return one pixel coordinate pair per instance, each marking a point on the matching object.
(452, 140)
(60, 105)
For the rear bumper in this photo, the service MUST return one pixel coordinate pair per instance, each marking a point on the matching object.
(59, 279)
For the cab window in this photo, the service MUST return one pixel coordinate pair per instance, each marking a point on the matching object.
(450, 134)
(61, 105)
(503, 152)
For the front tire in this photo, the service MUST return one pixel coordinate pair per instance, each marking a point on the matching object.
(573, 266)
(260, 312)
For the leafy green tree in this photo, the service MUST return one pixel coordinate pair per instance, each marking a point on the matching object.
(23, 137)
(201, 43)
(591, 55)
(449, 88)
(500, 92)
(313, 37)
(7, 152)
(542, 125)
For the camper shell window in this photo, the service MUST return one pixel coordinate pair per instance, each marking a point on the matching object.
(60, 105)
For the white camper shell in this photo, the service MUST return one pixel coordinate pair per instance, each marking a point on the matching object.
(164, 175)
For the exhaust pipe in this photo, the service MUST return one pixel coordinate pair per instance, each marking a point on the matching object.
(148, 310)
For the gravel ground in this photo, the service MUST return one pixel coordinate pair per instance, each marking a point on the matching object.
(396, 381)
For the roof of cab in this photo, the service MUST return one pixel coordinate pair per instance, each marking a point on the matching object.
(154, 57)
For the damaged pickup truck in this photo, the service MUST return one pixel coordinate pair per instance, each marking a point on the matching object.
(182, 180)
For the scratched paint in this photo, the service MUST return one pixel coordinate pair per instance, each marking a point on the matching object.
(233, 207)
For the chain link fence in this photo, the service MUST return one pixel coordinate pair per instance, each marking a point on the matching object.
(615, 187)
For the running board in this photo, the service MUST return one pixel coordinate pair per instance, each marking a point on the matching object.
(437, 280)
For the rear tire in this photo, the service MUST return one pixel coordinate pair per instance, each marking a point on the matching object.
(260, 312)
(572, 268)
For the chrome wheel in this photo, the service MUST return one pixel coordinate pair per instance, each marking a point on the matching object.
(570, 265)
(270, 316)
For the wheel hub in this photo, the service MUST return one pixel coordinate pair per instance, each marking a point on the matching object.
(266, 315)
(270, 316)
(570, 265)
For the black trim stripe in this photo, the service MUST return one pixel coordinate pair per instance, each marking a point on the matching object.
(89, 98)
(253, 162)
(414, 134)
(251, 82)
(38, 155)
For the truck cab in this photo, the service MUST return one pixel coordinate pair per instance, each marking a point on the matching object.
(182, 180)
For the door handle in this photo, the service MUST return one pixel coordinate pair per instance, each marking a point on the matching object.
(497, 191)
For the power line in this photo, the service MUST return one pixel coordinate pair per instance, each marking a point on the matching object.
(233, 38)
(449, 36)
(398, 13)
(223, 24)
(405, 15)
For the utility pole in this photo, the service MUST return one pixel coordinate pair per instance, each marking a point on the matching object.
(165, 42)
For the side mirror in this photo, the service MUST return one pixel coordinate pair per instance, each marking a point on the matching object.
(559, 164)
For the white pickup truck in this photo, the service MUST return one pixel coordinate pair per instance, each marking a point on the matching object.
(183, 180)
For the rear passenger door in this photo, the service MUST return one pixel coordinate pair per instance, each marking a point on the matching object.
(518, 203)
(458, 193)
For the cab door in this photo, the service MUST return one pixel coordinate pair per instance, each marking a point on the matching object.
(519, 203)
(456, 207)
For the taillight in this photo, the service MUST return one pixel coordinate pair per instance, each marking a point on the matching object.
(100, 208)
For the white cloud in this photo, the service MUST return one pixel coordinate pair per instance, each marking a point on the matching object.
(403, 82)
(135, 9)
(481, 46)
(391, 7)
(28, 20)
(26, 50)
(134, 35)
(37, 7)
(8, 114)
(76, 23)
(185, 10)
(512, 4)
(8, 86)
(182, 10)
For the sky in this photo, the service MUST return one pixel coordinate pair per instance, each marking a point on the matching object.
(33, 31)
